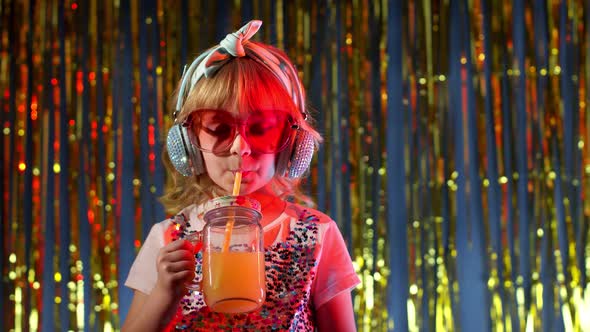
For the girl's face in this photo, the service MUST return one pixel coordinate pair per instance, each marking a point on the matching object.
(248, 143)
(248, 120)
(257, 169)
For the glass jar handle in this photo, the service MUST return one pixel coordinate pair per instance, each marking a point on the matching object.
(196, 239)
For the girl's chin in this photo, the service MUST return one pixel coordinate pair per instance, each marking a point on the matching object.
(245, 189)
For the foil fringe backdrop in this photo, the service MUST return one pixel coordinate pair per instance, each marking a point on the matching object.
(456, 158)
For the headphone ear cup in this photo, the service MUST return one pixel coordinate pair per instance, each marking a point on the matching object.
(295, 161)
(184, 157)
(302, 154)
(196, 157)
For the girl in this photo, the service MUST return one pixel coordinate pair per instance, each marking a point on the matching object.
(244, 111)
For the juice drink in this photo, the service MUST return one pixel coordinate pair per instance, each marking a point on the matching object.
(233, 255)
(233, 281)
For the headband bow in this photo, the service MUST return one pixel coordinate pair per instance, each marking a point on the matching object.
(232, 46)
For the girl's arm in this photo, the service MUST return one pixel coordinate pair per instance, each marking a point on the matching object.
(337, 314)
(154, 312)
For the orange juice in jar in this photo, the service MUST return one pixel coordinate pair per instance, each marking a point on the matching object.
(233, 255)
(233, 281)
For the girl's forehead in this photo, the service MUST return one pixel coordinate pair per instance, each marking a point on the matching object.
(243, 108)
(247, 112)
(246, 107)
(240, 95)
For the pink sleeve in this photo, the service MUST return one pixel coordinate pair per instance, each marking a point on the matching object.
(143, 273)
(335, 272)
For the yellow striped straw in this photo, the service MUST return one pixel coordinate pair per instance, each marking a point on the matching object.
(230, 223)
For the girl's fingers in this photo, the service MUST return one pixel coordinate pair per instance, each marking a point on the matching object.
(184, 276)
(176, 245)
(176, 263)
(174, 272)
(179, 266)
(178, 255)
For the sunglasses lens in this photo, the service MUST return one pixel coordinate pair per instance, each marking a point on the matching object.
(214, 130)
(265, 131)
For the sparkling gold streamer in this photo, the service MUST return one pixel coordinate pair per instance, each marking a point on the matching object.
(431, 172)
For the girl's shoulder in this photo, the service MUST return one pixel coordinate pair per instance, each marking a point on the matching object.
(187, 219)
(304, 213)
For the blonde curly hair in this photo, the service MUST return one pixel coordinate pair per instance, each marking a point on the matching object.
(242, 84)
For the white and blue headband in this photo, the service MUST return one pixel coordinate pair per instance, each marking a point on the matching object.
(235, 45)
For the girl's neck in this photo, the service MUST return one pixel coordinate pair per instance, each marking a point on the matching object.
(272, 206)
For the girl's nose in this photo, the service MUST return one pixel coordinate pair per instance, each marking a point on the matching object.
(240, 146)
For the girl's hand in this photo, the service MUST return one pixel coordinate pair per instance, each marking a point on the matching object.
(176, 267)
(155, 311)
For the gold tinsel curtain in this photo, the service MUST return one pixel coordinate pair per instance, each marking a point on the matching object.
(455, 159)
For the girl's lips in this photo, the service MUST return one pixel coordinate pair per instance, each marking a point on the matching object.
(245, 175)
(243, 172)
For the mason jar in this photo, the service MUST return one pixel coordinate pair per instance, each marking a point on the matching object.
(233, 255)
